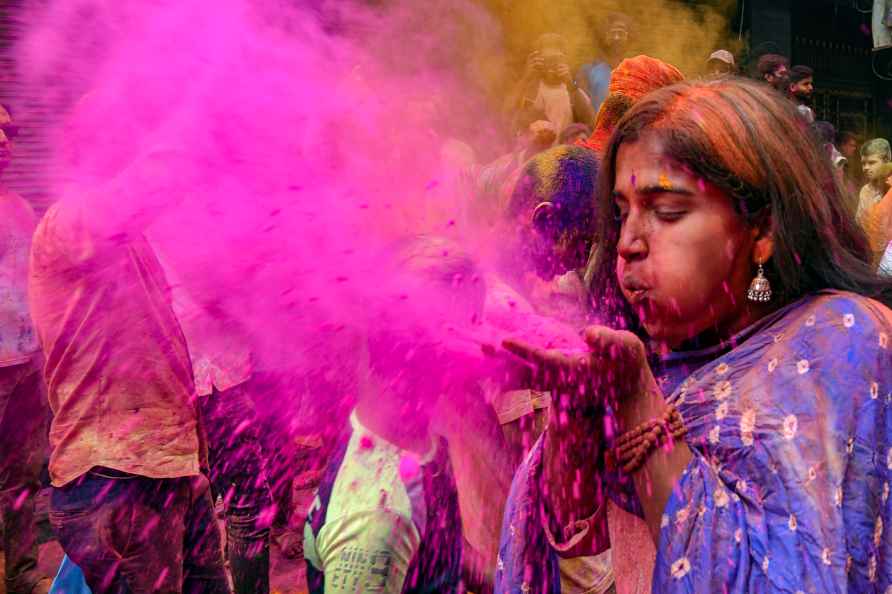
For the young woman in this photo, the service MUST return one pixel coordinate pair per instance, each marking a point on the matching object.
(732, 430)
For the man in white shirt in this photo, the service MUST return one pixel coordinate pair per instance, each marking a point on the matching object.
(386, 515)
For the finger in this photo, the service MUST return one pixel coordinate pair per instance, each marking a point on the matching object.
(522, 349)
(595, 336)
(550, 369)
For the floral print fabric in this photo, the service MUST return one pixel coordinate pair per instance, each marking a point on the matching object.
(788, 487)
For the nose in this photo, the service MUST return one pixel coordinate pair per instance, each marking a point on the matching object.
(632, 243)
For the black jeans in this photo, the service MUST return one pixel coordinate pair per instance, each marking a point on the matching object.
(136, 535)
(238, 475)
(23, 415)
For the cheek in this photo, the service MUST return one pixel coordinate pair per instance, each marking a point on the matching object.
(692, 275)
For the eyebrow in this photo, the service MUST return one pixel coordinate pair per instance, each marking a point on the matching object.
(654, 190)
(664, 189)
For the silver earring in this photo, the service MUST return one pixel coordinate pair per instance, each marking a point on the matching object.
(760, 288)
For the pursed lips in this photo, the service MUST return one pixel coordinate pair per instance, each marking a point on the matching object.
(635, 289)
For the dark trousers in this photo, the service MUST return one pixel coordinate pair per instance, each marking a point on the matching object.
(23, 415)
(238, 475)
(134, 535)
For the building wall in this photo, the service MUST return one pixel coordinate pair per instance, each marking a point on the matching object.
(29, 172)
(833, 37)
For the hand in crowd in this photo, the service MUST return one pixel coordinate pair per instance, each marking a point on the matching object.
(562, 71)
(543, 134)
(535, 65)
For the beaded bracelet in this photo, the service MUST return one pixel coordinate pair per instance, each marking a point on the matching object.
(633, 447)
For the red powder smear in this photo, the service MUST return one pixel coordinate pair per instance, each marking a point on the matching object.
(150, 526)
(266, 516)
(20, 500)
(409, 467)
(161, 577)
(366, 443)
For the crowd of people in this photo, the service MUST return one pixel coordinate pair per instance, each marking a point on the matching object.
(726, 258)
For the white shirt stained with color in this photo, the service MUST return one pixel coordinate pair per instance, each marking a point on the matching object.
(375, 517)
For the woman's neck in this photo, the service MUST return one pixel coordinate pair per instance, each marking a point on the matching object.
(394, 417)
(723, 333)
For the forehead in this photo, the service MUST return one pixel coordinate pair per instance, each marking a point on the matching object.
(644, 161)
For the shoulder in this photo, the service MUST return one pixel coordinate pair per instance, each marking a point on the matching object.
(867, 192)
(855, 315)
(368, 480)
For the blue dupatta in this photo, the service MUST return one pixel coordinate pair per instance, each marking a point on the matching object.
(788, 487)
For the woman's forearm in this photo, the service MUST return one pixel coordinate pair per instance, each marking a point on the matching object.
(663, 466)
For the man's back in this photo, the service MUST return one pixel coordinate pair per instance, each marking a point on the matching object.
(118, 374)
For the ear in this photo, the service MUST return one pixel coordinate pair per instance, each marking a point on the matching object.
(542, 215)
(763, 241)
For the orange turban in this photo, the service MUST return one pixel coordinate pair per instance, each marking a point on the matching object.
(631, 80)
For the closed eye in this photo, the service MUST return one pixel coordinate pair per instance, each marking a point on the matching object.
(671, 215)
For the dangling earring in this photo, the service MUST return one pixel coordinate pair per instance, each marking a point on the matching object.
(760, 288)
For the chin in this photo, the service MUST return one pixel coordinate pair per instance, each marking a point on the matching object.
(668, 329)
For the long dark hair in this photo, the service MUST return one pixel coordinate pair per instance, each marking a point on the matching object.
(749, 141)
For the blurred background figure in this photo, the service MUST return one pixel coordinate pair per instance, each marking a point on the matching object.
(548, 87)
(800, 89)
(773, 69)
(874, 154)
(847, 144)
(720, 63)
(23, 408)
(222, 365)
(826, 134)
(495, 180)
(874, 211)
(594, 77)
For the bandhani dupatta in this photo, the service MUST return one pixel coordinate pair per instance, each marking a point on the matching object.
(788, 488)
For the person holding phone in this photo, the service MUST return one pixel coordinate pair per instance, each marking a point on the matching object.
(547, 86)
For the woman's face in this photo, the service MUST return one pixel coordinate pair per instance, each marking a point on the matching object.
(684, 254)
